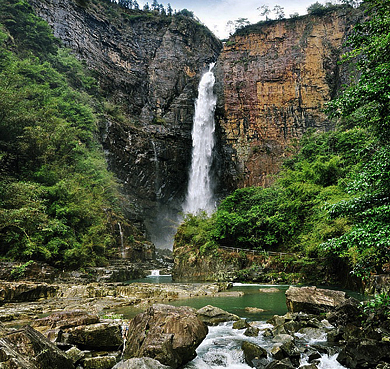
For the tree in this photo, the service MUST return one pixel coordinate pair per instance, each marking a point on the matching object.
(155, 5)
(316, 8)
(279, 11)
(169, 9)
(135, 4)
(368, 101)
(367, 104)
(264, 11)
(146, 7)
(294, 15)
(186, 13)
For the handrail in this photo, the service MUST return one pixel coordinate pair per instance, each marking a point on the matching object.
(250, 251)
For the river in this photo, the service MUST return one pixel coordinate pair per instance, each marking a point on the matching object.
(222, 347)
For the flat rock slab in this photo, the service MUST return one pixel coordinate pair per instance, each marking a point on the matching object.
(313, 300)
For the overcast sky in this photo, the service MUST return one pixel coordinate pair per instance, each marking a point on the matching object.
(216, 13)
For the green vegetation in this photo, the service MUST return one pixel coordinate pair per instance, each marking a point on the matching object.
(56, 196)
(332, 197)
(379, 305)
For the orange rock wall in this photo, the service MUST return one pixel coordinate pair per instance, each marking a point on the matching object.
(276, 78)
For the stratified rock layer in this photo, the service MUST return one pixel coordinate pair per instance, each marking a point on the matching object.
(275, 78)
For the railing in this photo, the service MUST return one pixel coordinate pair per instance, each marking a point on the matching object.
(257, 252)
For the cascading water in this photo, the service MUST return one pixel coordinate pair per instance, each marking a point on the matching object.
(200, 195)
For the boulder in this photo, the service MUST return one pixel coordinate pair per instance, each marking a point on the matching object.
(212, 315)
(100, 336)
(253, 352)
(140, 363)
(28, 349)
(75, 354)
(313, 300)
(346, 313)
(364, 353)
(252, 331)
(166, 333)
(240, 324)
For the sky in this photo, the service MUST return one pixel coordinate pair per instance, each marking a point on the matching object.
(216, 13)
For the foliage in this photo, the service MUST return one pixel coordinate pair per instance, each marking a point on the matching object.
(18, 272)
(195, 231)
(367, 103)
(380, 304)
(55, 190)
(290, 215)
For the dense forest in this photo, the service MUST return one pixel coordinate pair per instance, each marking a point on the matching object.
(57, 199)
(331, 198)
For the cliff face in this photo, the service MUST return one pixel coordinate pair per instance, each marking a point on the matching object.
(151, 66)
(275, 78)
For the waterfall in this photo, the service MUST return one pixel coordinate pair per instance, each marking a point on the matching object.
(200, 192)
(122, 241)
(157, 188)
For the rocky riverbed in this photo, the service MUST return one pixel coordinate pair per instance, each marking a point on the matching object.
(69, 323)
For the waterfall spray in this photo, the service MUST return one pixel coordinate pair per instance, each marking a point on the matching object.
(200, 196)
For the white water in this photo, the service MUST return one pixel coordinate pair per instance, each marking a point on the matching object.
(200, 195)
(221, 349)
(155, 273)
(122, 241)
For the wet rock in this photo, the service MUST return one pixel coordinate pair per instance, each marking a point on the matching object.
(253, 310)
(100, 336)
(212, 315)
(280, 364)
(277, 353)
(252, 332)
(364, 353)
(100, 362)
(166, 333)
(348, 312)
(282, 338)
(309, 366)
(313, 334)
(253, 352)
(140, 363)
(26, 348)
(269, 290)
(313, 300)
(240, 324)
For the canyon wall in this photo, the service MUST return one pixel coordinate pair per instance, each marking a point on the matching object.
(150, 66)
(274, 80)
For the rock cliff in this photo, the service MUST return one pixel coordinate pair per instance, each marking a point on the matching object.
(274, 79)
(150, 66)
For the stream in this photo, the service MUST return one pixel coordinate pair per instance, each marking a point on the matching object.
(221, 349)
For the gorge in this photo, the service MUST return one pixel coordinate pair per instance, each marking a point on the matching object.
(271, 84)
(82, 286)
